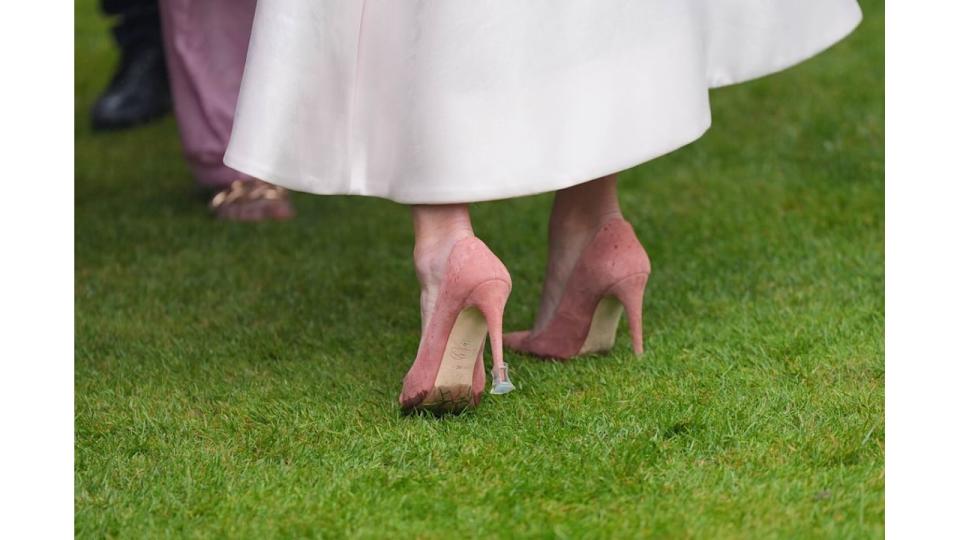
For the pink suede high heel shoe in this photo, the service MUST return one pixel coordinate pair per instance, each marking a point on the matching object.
(610, 275)
(447, 375)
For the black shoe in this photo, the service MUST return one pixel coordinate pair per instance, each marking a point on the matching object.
(138, 93)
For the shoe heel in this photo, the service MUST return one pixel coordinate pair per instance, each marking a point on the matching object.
(490, 298)
(629, 291)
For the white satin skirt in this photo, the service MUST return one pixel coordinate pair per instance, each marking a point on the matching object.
(448, 101)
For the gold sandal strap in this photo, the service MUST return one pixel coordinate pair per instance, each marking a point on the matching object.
(247, 191)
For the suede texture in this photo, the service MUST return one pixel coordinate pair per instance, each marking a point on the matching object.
(613, 263)
(474, 277)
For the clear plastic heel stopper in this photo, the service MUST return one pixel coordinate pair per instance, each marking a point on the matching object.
(501, 381)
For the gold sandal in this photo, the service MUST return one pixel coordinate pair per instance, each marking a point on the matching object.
(252, 200)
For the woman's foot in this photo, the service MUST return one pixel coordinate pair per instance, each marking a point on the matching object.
(464, 288)
(437, 229)
(595, 267)
(252, 200)
(578, 213)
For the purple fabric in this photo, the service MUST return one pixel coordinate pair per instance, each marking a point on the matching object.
(206, 46)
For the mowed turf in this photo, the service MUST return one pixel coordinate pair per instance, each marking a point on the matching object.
(237, 380)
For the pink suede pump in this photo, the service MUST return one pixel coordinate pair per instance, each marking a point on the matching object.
(447, 375)
(610, 275)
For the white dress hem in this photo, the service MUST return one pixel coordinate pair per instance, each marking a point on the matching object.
(452, 144)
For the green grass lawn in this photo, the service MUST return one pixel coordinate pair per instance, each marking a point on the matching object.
(241, 380)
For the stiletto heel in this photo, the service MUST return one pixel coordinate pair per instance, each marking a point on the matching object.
(491, 298)
(448, 375)
(611, 275)
(630, 293)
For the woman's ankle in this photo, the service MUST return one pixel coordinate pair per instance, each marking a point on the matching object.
(582, 209)
(437, 228)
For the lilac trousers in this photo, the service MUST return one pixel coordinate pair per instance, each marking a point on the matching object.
(205, 42)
